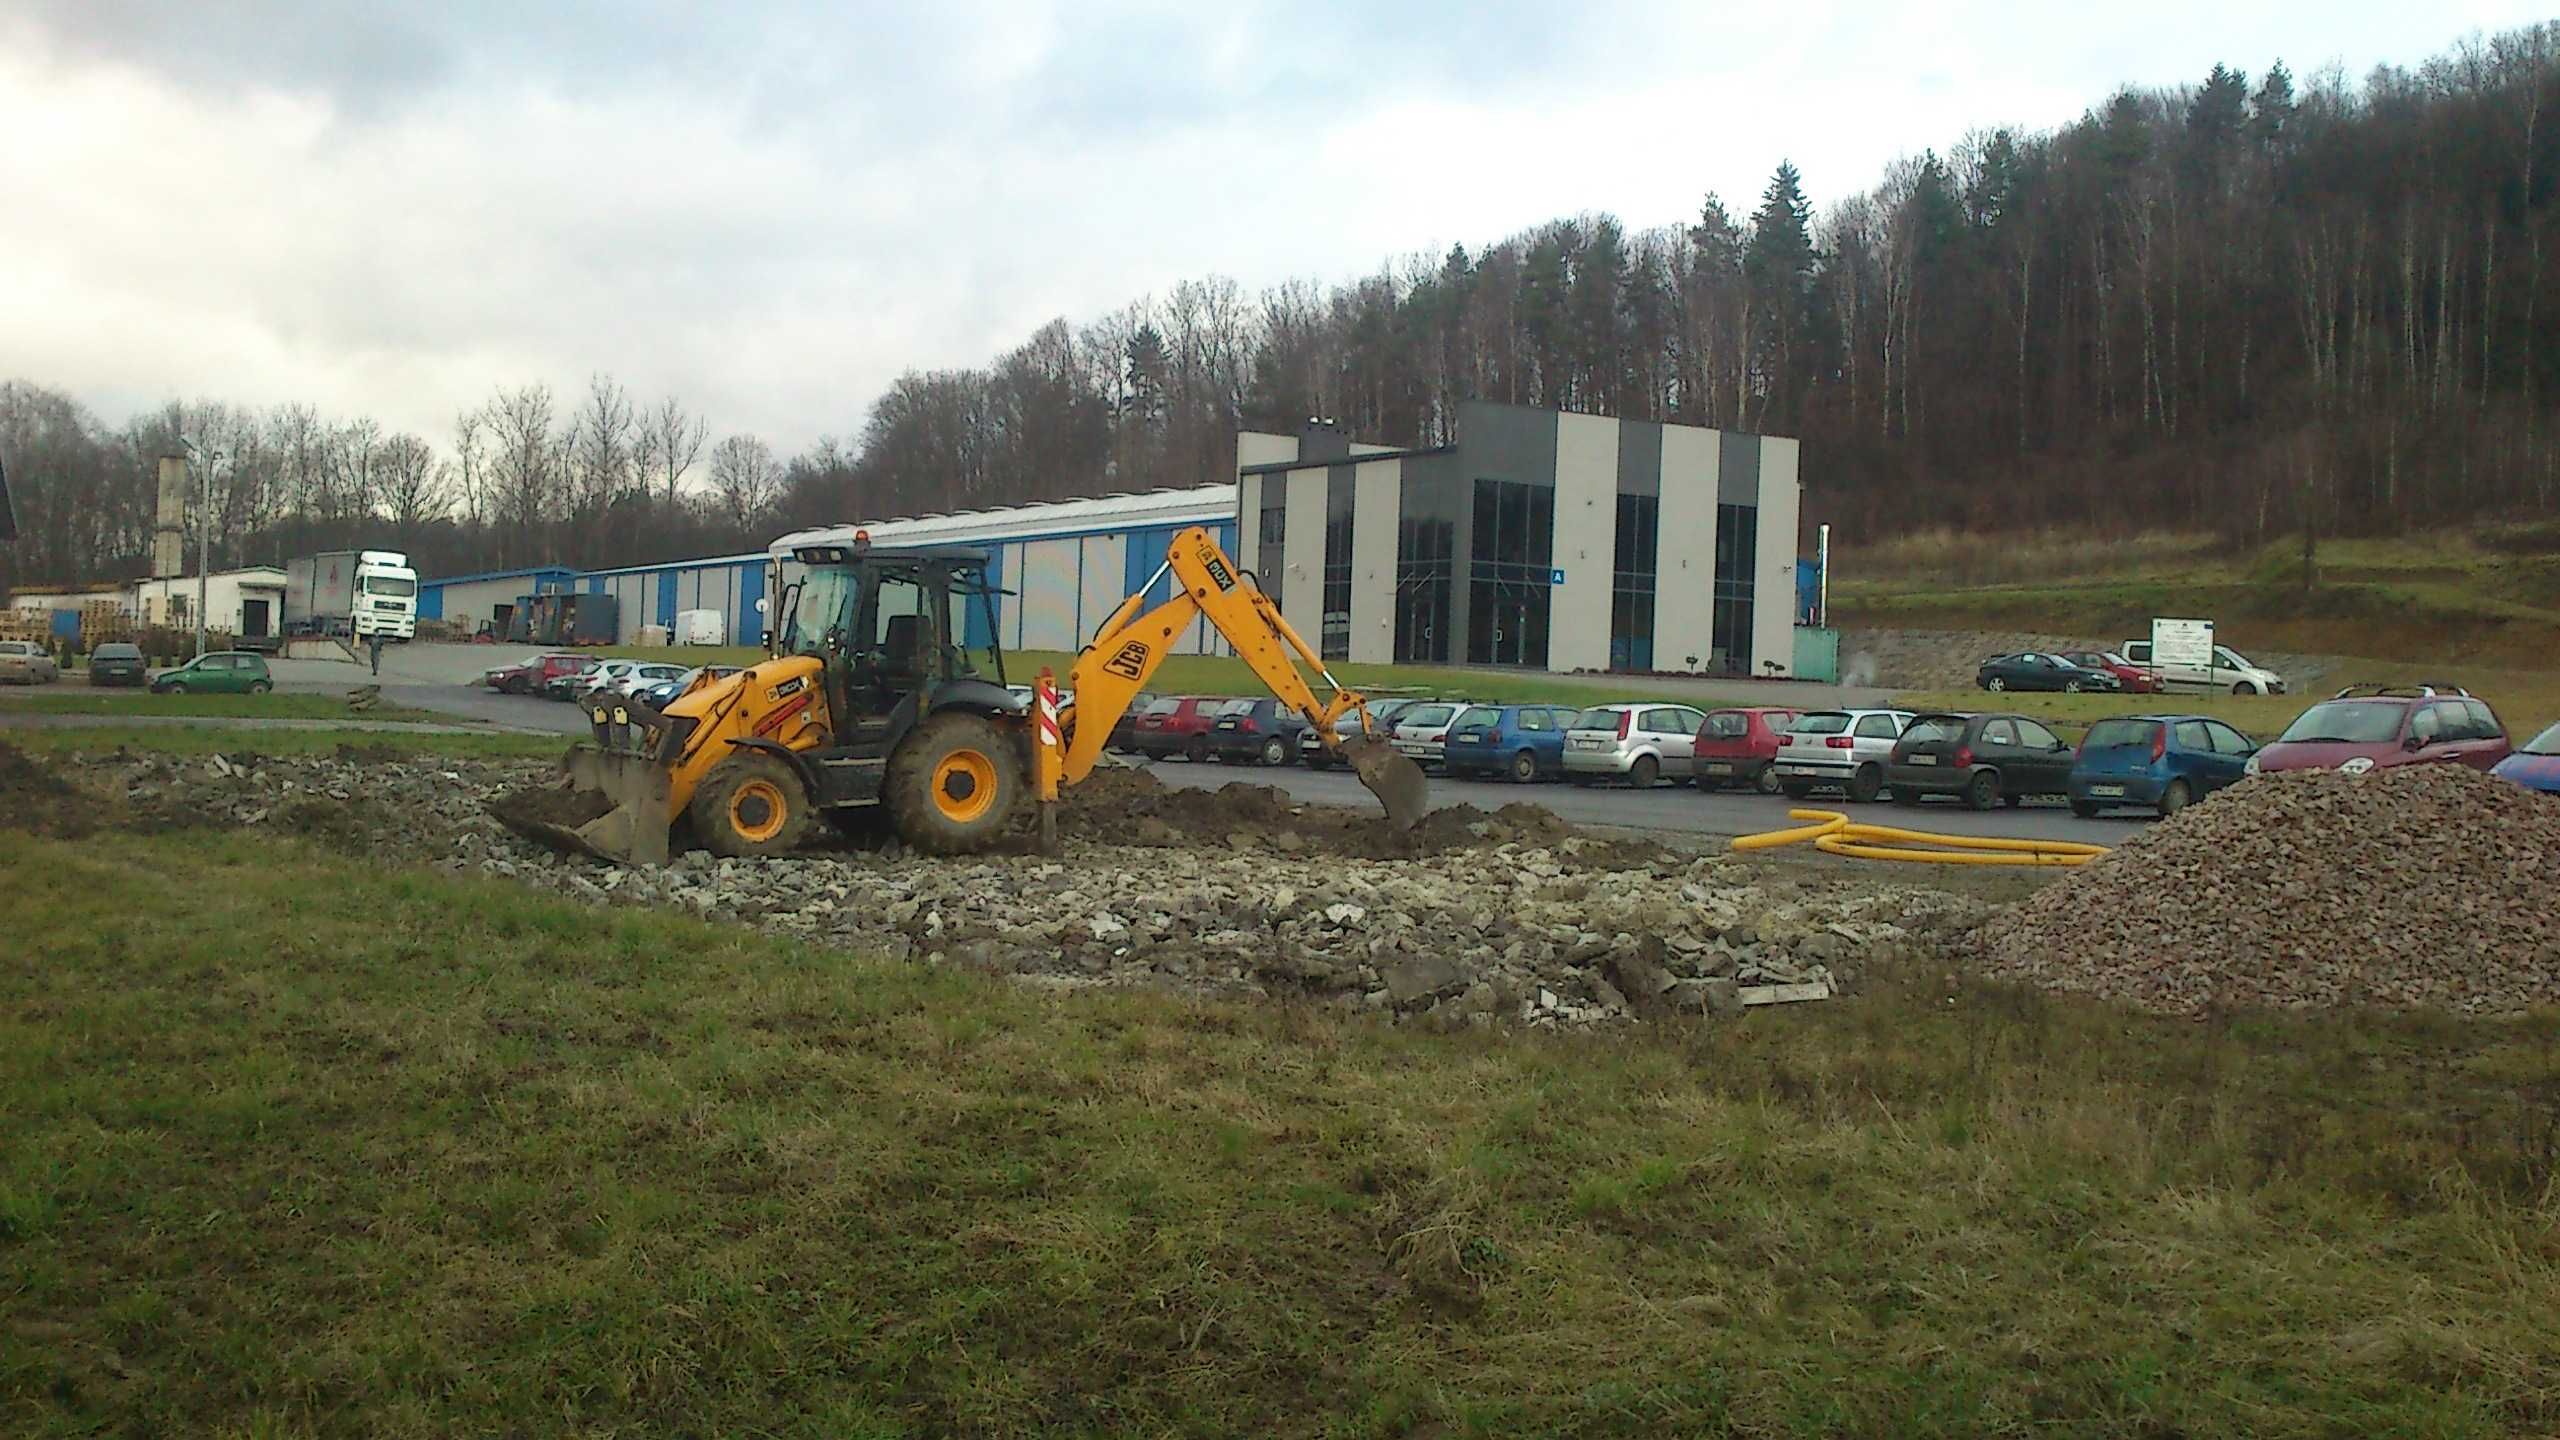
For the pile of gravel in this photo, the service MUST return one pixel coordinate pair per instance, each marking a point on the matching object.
(2426, 886)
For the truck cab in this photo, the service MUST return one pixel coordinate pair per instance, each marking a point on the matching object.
(386, 596)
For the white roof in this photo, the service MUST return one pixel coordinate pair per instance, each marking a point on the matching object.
(1198, 505)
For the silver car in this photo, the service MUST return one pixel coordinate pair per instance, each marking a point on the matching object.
(1845, 749)
(24, 662)
(1641, 743)
(1382, 714)
(1421, 731)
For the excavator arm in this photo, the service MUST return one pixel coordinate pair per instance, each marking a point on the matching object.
(1135, 640)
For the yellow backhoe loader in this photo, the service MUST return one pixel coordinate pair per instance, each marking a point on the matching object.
(870, 700)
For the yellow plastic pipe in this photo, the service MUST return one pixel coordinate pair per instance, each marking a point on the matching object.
(1834, 833)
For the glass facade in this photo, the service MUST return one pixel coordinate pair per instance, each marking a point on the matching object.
(1737, 563)
(1631, 583)
(1509, 567)
(1426, 576)
(1335, 641)
(1271, 536)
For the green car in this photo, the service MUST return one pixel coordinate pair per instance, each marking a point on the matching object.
(222, 672)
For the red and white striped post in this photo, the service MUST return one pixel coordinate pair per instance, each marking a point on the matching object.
(1048, 755)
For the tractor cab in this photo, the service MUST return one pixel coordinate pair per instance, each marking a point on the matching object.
(889, 627)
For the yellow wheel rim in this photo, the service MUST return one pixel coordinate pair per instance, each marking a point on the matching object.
(964, 786)
(757, 810)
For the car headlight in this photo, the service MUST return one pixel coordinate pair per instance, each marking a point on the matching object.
(2251, 768)
(2357, 766)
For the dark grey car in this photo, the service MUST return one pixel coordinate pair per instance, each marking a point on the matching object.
(117, 663)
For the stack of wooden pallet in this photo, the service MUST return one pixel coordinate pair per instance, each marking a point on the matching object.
(26, 625)
(103, 620)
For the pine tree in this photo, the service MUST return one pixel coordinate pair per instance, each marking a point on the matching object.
(1778, 267)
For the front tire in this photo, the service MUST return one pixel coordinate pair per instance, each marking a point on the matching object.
(953, 785)
(752, 805)
(1995, 684)
(1524, 768)
(260, 688)
(1644, 772)
(174, 687)
(2071, 687)
(2243, 688)
(1982, 791)
(2174, 799)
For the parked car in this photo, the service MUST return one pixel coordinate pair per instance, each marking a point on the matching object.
(1525, 742)
(2162, 762)
(1981, 759)
(217, 672)
(1422, 731)
(532, 672)
(24, 662)
(1124, 731)
(657, 695)
(1740, 747)
(1382, 718)
(1178, 725)
(117, 663)
(2134, 679)
(1641, 743)
(1255, 732)
(1848, 749)
(600, 678)
(2034, 670)
(2416, 726)
(2535, 764)
(2230, 671)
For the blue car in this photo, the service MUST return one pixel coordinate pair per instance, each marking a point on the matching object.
(2159, 762)
(2535, 764)
(1525, 742)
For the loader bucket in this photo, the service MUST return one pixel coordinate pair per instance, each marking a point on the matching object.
(613, 807)
(1395, 780)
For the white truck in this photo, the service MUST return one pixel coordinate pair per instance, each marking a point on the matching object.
(354, 593)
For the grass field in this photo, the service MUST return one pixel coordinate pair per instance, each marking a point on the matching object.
(298, 1146)
(238, 740)
(85, 701)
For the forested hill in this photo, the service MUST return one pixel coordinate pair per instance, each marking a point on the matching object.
(2234, 305)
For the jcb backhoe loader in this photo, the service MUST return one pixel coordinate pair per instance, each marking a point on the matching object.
(870, 700)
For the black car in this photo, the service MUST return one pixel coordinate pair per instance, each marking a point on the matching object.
(117, 663)
(1254, 732)
(1124, 731)
(1984, 759)
(2036, 671)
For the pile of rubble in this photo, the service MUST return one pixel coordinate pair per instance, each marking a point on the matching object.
(1510, 917)
(2420, 886)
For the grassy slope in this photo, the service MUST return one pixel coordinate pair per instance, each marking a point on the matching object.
(296, 1146)
(272, 706)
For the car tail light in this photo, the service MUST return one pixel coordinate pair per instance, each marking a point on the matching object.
(1440, 739)
(1249, 725)
(1786, 739)
(1839, 742)
(1626, 722)
(2159, 741)
(1964, 756)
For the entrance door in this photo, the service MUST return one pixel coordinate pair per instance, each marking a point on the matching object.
(253, 618)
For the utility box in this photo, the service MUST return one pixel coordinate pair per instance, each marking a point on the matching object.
(1817, 654)
(701, 627)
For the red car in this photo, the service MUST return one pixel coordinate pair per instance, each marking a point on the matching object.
(2375, 727)
(1176, 725)
(2136, 680)
(1740, 747)
(530, 674)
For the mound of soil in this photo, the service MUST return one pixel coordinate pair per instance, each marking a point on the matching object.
(2420, 886)
(1131, 807)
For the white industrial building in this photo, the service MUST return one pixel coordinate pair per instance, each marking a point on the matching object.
(247, 603)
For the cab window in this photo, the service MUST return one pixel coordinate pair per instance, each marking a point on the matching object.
(2036, 737)
(1876, 727)
(2000, 732)
(1535, 719)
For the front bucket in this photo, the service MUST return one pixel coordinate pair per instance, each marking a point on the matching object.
(1395, 780)
(614, 808)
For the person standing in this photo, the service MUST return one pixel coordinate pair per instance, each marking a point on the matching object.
(373, 651)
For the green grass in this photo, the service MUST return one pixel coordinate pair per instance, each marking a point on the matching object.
(239, 740)
(84, 701)
(299, 1147)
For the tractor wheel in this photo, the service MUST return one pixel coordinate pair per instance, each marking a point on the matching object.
(953, 785)
(751, 805)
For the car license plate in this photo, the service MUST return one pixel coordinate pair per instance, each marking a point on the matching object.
(1226, 724)
(1589, 742)
(1797, 770)
(1923, 759)
(1469, 737)
(1718, 767)
(2107, 792)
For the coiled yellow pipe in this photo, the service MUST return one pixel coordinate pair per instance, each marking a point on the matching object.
(1835, 834)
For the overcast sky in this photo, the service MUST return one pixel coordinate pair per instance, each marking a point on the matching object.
(770, 208)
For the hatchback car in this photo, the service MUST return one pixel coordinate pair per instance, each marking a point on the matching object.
(1177, 725)
(658, 694)
(2361, 732)
(1525, 742)
(534, 671)
(2034, 670)
(24, 662)
(117, 663)
(219, 672)
(2160, 762)
(1421, 730)
(1124, 731)
(1641, 743)
(1844, 748)
(1382, 718)
(1255, 732)
(1740, 747)
(2134, 679)
(1981, 759)
(2535, 764)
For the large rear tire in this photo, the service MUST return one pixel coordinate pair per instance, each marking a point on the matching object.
(953, 784)
(751, 805)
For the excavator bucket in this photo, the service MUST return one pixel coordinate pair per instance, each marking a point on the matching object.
(1395, 780)
(614, 807)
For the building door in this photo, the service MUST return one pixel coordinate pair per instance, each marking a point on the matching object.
(253, 619)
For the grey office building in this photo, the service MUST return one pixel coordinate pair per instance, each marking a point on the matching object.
(1539, 539)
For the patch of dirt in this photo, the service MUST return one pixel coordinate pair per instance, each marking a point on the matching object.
(1131, 807)
(554, 805)
(34, 799)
